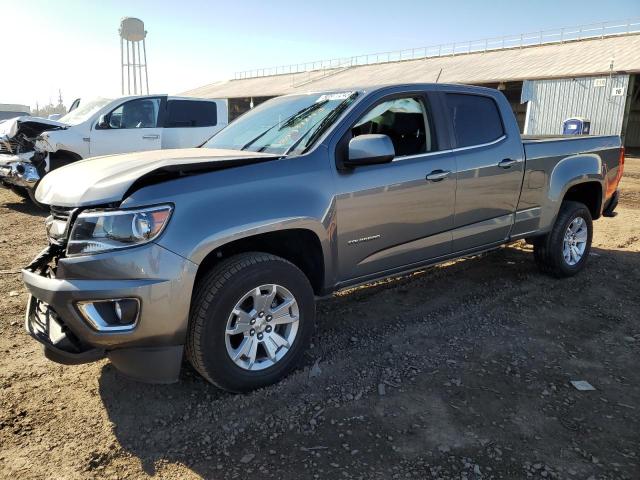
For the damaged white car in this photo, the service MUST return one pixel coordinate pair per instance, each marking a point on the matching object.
(30, 147)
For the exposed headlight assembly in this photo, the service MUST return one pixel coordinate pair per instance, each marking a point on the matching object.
(97, 231)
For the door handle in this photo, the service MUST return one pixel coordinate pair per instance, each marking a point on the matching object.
(507, 163)
(151, 137)
(438, 175)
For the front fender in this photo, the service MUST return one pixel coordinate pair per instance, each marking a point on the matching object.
(216, 208)
(238, 232)
(69, 139)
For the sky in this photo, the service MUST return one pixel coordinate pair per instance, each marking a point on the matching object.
(73, 45)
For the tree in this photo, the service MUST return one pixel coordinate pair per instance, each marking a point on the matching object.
(50, 109)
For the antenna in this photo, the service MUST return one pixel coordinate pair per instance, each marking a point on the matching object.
(132, 33)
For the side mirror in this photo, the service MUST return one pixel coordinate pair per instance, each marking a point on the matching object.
(103, 122)
(370, 149)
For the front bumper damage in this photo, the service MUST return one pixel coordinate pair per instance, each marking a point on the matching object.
(24, 151)
(160, 280)
(20, 174)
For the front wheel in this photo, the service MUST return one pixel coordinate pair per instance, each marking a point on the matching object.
(251, 321)
(563, 252)
(31, 192)
(21, 191)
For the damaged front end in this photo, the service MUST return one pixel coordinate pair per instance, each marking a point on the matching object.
(24, 153)
(42, 321)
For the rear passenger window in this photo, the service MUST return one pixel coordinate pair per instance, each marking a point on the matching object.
(404, 120)
(191, 113)
(476, 119)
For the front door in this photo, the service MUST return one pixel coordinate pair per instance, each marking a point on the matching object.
(400, 213)
(131, 127)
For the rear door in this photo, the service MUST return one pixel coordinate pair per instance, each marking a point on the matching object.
(133, 126)
(391, 216)
(190, 122)
(490, 168)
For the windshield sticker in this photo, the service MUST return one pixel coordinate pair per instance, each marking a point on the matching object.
(328, 97)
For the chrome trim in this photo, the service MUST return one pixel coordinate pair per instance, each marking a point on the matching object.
(20, 173)
(97, 212)
(450, 150)
(420, 155)
(95, 320)
(497, 140)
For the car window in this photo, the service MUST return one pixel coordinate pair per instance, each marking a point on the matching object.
(191, 113)
(476, 119)
(141, 113)
(85, 111)
(404, 120)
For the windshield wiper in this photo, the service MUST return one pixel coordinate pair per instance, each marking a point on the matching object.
(288, 122)
(324, 124)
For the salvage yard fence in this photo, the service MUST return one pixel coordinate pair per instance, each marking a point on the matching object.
(542, 37)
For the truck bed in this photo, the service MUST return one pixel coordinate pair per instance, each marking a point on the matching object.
(536, 147)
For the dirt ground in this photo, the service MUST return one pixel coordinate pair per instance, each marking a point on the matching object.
(461, 371)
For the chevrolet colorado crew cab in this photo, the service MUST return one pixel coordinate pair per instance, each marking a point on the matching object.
(218, 253)
(30, 147)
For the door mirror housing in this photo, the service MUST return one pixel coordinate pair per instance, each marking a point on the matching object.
(103, 122)
(370, 149)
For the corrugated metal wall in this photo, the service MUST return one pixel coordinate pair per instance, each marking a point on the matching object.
(553, 101)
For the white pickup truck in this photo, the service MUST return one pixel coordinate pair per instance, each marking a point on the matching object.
(30, 147)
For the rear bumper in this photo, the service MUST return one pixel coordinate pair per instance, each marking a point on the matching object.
(151, 350)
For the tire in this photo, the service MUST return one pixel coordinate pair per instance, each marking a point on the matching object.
(31, 192)
(549, 251)
(20, 191)
(220, 293)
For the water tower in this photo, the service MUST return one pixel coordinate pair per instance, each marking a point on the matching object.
(132, 34)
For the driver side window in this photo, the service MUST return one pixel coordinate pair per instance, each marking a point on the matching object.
(141, 113)
(404, 120)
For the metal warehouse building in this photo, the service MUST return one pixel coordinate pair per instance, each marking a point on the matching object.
(589, 71)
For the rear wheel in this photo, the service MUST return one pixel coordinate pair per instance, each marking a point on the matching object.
(563, 252)
(251, 320)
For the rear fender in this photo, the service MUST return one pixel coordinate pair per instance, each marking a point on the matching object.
(567, 173)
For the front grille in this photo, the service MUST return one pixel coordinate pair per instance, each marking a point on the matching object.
(59, 224)
(61, 213)
(9, 147)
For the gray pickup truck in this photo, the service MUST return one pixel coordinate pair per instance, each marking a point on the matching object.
(218, 253)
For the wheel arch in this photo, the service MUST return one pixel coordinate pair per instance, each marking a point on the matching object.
(576, 177)
(300, 246)
(588, 193)
(60, 158)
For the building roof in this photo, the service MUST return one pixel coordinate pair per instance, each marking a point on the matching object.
(559, 60)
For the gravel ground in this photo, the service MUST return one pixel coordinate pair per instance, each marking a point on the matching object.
(461, 371)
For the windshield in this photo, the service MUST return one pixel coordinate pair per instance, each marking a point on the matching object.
(284, 125)
(84, 111)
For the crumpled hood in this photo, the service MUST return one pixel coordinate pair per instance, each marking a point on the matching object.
(30, 126)
(102, 180)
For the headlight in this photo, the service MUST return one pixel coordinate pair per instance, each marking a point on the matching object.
(96, 231)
